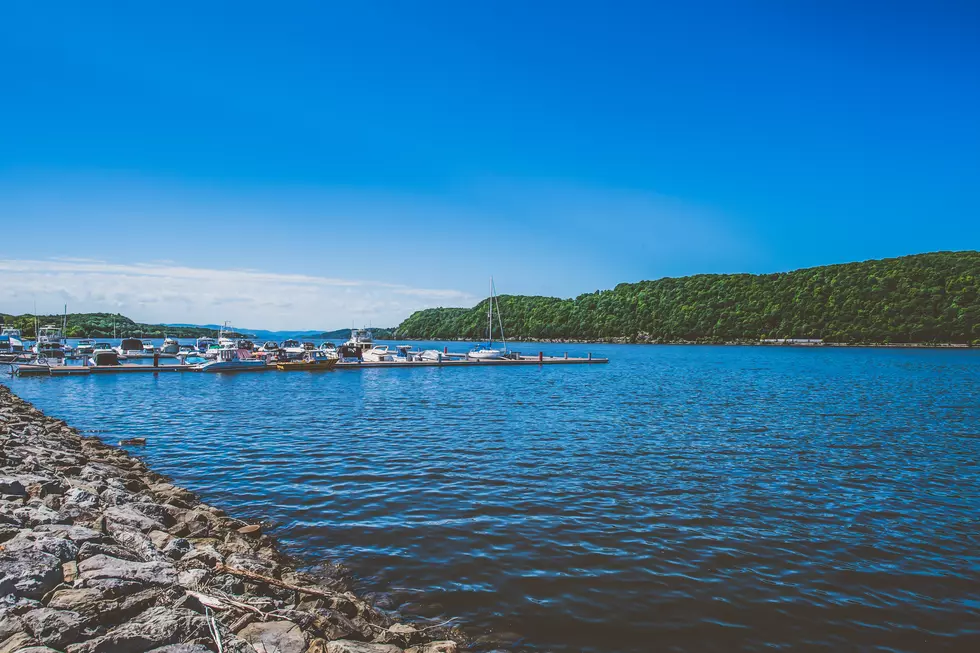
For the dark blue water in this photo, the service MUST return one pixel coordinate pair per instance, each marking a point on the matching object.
(679, 498)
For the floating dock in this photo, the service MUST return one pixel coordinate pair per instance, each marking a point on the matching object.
(452, 360)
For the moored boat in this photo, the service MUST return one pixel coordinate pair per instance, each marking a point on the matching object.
(488, 351)
(170, 346)
(313, 361)
(228, 359)
(130, 347)
(13, 341)
(204, 343)
(361, 340)
(85, 346)
(292, 349)
(49, 348)
(377, 354)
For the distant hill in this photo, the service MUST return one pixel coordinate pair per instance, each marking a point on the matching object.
(344, 334)
(102, 325)
(925, 298)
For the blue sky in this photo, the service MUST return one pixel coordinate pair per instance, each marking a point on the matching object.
(361, 160)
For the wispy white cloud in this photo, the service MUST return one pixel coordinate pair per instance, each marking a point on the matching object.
(159, 292)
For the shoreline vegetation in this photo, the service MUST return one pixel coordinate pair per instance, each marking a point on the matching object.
(924, 299)
(99, 554)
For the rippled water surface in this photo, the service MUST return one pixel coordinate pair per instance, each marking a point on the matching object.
(679, 498)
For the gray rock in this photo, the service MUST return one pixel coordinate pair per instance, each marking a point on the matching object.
(443, 646)
(251, 563)
(90, 549)
(154, 628)
(84, 600)
(63, 548)
(17, 642)
(12, 485)
(113, 587)
(182, 648)
(40, 514)
(37, 649)
(129, 516)
(28, 573)
(161, 513)
(77, 534)
(152, 573)
(193, 578)
(52, 627)
(347, 646)
(177, 548)
(136, 541)
(399, 634)
(10, 624)
(206, 555)
(274, 637)
(78, 500)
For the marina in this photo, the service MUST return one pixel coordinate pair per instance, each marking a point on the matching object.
(53, 356)
(451, 360)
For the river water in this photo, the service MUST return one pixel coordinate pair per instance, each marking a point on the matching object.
(680, 498)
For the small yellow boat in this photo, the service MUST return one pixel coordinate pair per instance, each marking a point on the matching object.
(313, 361)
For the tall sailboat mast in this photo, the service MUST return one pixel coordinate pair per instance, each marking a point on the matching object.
(490, 316)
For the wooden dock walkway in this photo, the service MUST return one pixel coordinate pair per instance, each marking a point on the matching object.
(449, 361)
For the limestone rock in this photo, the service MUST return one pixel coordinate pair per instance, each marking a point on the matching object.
(274, 637)
(17, 642)
(154, 628)
(152, 573)
(28, 573)
(444, 646)
(129, 516)
(347, 646)
(52, 627)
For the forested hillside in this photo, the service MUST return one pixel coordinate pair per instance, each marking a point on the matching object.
(921, 298)
(100, 325)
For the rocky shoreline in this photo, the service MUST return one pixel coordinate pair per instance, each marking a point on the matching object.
(99, 554)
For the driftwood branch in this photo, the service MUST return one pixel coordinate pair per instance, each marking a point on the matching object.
(268, 580)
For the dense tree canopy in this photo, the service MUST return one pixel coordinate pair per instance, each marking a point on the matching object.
(922, 298)
(101, 325)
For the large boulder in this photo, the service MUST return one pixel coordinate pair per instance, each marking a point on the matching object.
(274, 637)
(151, 573)
(128, 516)
(52, 627)
(28, 573)
(347, 646)
(156, 627)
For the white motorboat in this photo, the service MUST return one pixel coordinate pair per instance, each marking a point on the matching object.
(50, 347)
(170, 346)
(148, 347)
(377, 354)
(431, 355)
(11, 341)
(293, 349)
(130, 347)
(204, 343)
(85, 346)
(270, 347)
(361, 340)
(488, 351)
(228, 359)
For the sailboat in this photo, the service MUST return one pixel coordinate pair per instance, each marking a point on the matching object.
(488, 351)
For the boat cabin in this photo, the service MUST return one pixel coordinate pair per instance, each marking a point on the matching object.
(105, 357)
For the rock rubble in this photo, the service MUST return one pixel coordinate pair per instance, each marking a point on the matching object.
(98, 554)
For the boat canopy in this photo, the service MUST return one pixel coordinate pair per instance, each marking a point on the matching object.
(131, 344)
(103, 357)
